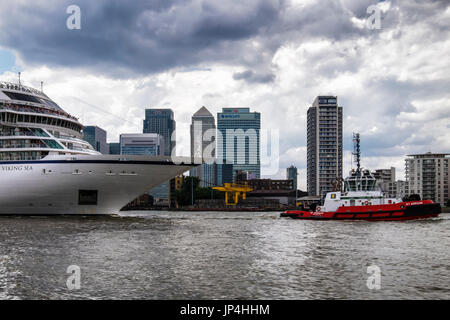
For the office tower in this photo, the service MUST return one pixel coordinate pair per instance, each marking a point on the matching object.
(224, 173)
(146, 144)
(97, 138)
(203, 134)
(142, 144)
(324, 145)
(238, 141)
(114, 148)
(291, 174)
(161, 121)
(428, 175)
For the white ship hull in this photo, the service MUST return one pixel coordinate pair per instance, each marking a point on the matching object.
(57, 184)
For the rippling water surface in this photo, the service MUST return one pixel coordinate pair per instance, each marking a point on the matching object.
(215, 255)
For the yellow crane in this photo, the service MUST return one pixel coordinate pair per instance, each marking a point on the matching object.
(234, 191)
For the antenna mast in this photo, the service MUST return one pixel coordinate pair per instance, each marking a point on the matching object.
(357, 153)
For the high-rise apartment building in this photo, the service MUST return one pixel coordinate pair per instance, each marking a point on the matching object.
(161, 121)
(428, 175)
(238, 140)
(203, 132)
(324, 145)
(97, 138)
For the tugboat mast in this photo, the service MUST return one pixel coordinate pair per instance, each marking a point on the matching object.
(357, 153)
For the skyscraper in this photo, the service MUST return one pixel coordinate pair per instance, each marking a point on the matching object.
(97, 138)
(161, 121)
(291, 174)
(203, 133)
(324, 145)
(238, 140)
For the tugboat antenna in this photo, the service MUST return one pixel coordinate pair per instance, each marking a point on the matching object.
(357, 153)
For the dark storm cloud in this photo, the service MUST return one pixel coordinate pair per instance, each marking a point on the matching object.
(139, 36)
(123, 38)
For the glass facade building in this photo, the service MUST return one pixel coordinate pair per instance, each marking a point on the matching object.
(238, 141)
(291, 174)
(161, 121)
(146, 144)
(114, 148)
(203, 131)
(142, 144)
(97, 138)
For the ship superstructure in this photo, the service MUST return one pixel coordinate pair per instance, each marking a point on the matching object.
(33, 126)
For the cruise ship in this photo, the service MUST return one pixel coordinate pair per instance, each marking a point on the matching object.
(47, 168)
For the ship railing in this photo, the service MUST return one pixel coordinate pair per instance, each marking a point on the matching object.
(80, 149)
(15, 134)
(14, 86)
(36, 109)
(69, 138)
(21, 146)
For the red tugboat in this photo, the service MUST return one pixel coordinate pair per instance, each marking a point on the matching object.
(360, 201)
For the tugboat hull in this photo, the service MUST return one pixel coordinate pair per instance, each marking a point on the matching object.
(393, 212)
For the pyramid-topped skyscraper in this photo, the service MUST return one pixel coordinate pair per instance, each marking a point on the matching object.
(203, 131)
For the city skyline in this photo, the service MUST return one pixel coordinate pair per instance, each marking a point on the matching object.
(394, 92)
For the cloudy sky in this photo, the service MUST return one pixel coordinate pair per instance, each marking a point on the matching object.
(274, 56)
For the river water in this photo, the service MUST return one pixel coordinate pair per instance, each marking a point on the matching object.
(222, 255)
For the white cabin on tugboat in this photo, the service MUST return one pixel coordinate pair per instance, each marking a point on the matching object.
(358, 191)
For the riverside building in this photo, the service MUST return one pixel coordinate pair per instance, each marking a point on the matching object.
(324, 145)
(142, 143)
(427, 174)
(97, 138)
(238, 141)
(203, 131)
(161, 121)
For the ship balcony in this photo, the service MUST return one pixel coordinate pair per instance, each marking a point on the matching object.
(14, 133)
(23, 146)
(80, 149)
(63, 137)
